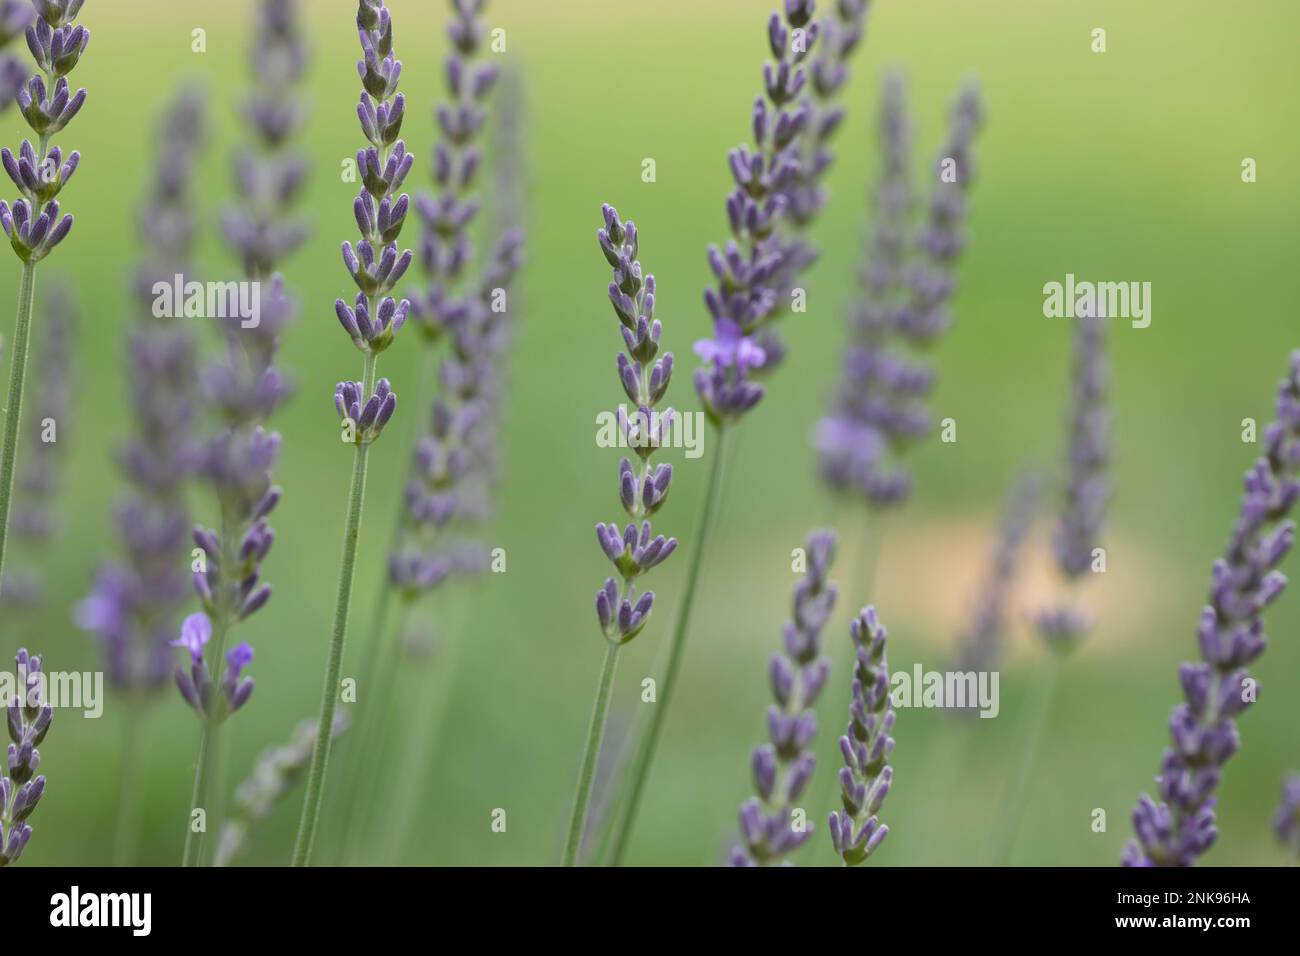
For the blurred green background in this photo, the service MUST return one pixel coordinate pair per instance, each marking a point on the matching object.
(1119, 166)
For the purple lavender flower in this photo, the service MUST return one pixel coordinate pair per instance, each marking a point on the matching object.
(20, 787)
(134, 604)
(635, 549)
(878, 409)
(15, 17)
(1180, 826)
(1286, 824)
(777, 194)
(783, 767)
(211, 701)
(34, 520)
(1087, 486)
(866, 776)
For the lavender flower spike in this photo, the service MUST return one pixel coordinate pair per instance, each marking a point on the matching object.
(376, 266)
(621, 611)
(34, 224)
(1180, 826)
(783, 767)
(777, 195)
(1286, 824)
(20, 787)
(866, 776)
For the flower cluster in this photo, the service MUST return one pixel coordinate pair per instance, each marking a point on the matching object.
(196, 684)
(34, 225)
(133, 606)
(376, 264)
(21, 787)
(1180, 826)
(645, 377)
(777, 192)
(783, 767)
(866, 776)
(878, 408)
(34, 520)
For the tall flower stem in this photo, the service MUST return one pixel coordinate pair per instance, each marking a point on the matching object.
(329, 694)
(14, 405)
(1029, 738)
(595, 735)
(703, 536)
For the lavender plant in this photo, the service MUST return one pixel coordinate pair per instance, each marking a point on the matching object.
(277, 771)
(1064, 624)
(878, 409)
(34, 224)
(21, 787)
(783, 766)
(866, 776)
(15, 17)
(35, 519)
(1286, 823)
(776, 196)
(365, 407)
(634, 549)
(133, 606)
(1179, 826)
(244, 387)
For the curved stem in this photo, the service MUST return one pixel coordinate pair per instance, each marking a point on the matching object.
(329, 694)
(1030, 734)
(14, 405)
(676, 647)
(587, 775)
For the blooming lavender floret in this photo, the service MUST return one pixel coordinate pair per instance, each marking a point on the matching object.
(34, 224)
(645, 376)
(777, 194)
(1180, 826)
(133, 606)
(21, 787)
(866, 776)
(783, 767)
(212, 700)
(878, 409)
(1286, 824)
(34, 520)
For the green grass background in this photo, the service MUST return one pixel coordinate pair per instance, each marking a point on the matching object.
(1117, 166)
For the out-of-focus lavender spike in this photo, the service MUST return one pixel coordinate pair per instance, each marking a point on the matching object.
(783, 766)
(34, 520)
(134, 605)
(1179, 826)
(777, 195)
(878, 409)
(15, 17)
(866, 776)
(276, 772)
(979, 646)
(21, 788)
(1286, 823)
(1087, 484)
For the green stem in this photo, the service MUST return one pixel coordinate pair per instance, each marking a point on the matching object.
(645, 754)
(14, 406)
(1028, 738)
(587, 775)
(329, 694)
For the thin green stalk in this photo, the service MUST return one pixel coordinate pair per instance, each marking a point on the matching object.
(14, 406)
(126, 832)
(329, 694)
(645, 755)
(595, 734)
(1030, 727)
